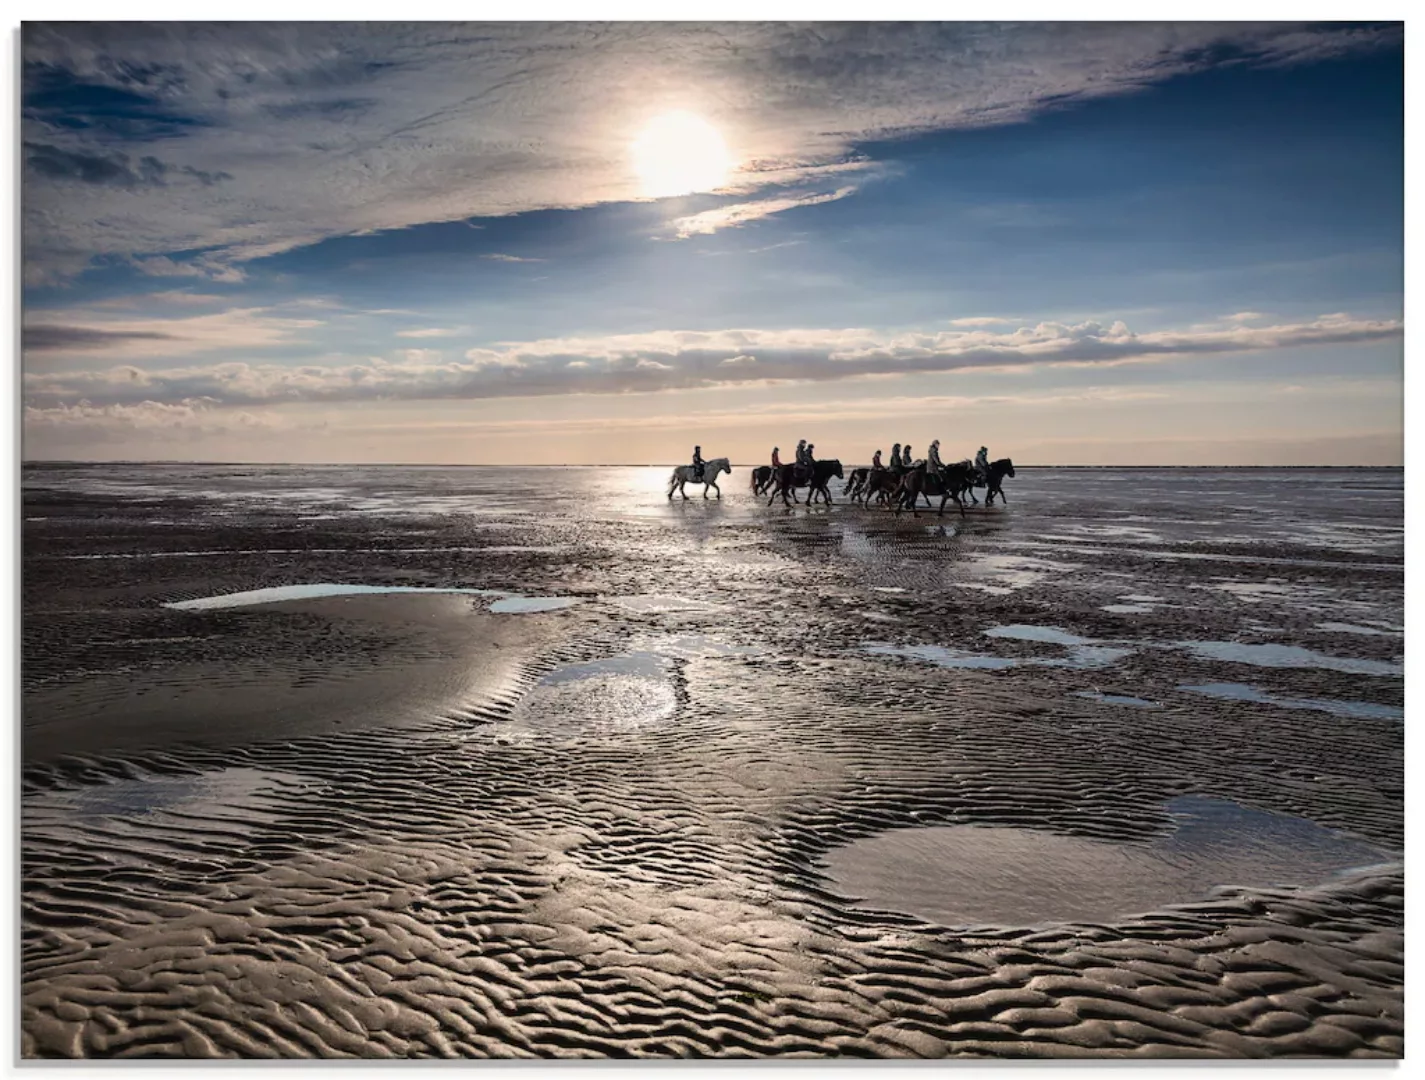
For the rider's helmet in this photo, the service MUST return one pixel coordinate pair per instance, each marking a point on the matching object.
(934, 442)
(811, 447)
(697, 449)
(984, 449)
(801, 442)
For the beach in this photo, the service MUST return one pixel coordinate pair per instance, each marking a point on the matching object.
(1115, 769)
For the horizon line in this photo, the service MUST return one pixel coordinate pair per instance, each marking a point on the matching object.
(608, 464)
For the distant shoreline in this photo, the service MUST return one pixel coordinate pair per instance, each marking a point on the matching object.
(631, 465)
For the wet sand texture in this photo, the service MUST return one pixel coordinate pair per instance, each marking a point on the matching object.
(412, 826)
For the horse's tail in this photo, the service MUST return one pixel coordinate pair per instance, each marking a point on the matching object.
(752, 478)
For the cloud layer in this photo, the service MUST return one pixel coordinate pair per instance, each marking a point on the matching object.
(231, 142)
(673, 360)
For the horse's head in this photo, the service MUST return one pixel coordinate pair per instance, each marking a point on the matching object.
(836, 468)
(1006, 466)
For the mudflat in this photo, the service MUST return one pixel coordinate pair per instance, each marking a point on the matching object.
(1114, 770)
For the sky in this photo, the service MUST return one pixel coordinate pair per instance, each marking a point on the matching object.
(1097, 243)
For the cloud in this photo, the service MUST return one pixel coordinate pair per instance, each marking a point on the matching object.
(1244, 317)
(738, 214)
(113, 168)
(429, 332)
(83, 338)
(238, 328)
(247, 140)
(499, 257)
(982, 320)
(670, 360)
(197, 416)
(209, 268)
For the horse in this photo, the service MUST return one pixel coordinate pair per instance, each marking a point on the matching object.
(855, 483)
(761, 479)
(792, 477)
(686, 474)
(998, 470)
(880, 483)
(948, 485)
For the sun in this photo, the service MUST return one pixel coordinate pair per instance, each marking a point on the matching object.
(678, 153)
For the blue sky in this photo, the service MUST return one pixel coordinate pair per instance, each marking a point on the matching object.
(1096, 243)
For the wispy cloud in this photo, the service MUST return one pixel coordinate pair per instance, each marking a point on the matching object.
(501, 257)
(429, 332)
(147, 140)
(680, 360)
(238, 328)
(730, 217)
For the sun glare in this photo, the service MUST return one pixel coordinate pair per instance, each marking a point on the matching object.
(678, 153)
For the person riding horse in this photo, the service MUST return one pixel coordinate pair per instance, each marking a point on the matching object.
(776, 457)
(932, 459)
(876, 461)
(982, 465)
(697, 464)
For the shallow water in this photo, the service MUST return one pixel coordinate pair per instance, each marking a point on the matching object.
(972, 875)
(1288, 656)
(1363, 710)
(508, 603)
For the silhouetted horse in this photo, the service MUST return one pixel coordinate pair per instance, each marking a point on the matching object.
(948, 485)
(856, 483)
(792, 477)
(879, 483)
(998, 470)
(761, 479)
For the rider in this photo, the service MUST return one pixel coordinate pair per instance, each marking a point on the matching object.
(697, 464)
(896, 458)
(876, 461)
(801, 451)
(932, 459)
(982, 464)
(811, 461)
(776, 458)
(906, 459)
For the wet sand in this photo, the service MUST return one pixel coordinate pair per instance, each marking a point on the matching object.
(759, 793)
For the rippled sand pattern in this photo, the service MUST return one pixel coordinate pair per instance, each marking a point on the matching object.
(613, 841)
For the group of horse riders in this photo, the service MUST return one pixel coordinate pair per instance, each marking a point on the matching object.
(902, 461)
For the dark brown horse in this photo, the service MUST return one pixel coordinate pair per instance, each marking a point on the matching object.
(998, 470)
(761, 479)
(918, 482)
(792, 477)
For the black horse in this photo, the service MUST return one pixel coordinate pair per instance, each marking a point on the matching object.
(792, 477)
(761, 479)
(998, 470)
(953, 480)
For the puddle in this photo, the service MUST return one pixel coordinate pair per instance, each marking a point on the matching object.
(508, 603)
(941, 656)
(1288, 656)
(973, 875)
(1141, 598)
(516, 605)
(1080, 656)
(1117, 699)
(1357, 710)
(1352, 628)
(1128, 609)
(1049, 634)
(163, 816)
(887, 588)
(612, 696)
(656, 602)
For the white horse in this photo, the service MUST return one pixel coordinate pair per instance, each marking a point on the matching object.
(685, 474)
